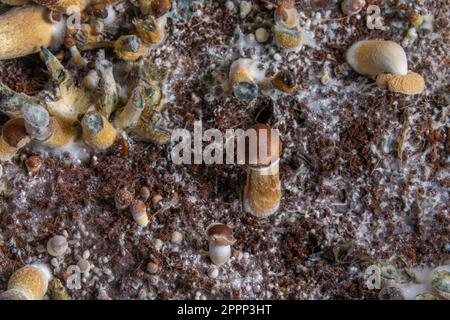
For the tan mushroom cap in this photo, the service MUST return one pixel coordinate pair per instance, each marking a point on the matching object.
(273, 146)
(412, 83)
(221, 234)
(372, 57)
(14, 133)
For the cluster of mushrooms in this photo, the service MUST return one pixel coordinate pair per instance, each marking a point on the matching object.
(101, 109)
(415, 284)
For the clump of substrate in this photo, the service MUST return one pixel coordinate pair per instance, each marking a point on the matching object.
(335, 186)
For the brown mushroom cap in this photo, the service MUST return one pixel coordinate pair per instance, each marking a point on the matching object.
(160, 7)
(285, 81)
(273, 146)
(138, 208)
(123, 198)
(221, 234)
(15, 133)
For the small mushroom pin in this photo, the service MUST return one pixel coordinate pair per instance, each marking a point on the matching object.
(220, 237)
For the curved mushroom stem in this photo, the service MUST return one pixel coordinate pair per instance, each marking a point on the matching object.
(77, 59)
(59, 74)
(132, 111)
(69, 100)
(108, 88)
(12, 101)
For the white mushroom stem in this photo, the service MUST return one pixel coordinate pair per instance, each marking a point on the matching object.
(219, 254)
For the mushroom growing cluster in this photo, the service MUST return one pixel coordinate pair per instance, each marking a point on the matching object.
(93, 111)
(415, 284)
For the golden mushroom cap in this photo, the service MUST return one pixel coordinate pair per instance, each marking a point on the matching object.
(31, 281)
(412, 83)
(372, 57)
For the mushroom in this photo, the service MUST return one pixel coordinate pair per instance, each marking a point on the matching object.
(158, 8)
(28, 283)
(152, 29)
(138, 210)
(350, 7)
(107, 86)
(372, 57)
(131, 113)
(285, 82)
(129, 48)
(33, 164)
(91, 80)
(97, 131)
(69, 101)
(387, 60)
(220, 237)
(412, 83)
(123, 199)
(288, 34)
(24, 30)
(390, 275)
(52, 131)
(57, 246)
(262, 192)
(440, 281)
(14, 137)
(77, 59)
(241, 80)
